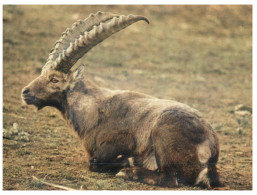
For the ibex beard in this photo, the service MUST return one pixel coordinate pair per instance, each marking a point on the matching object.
(168, 142)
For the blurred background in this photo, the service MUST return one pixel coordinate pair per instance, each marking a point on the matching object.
(198, 55)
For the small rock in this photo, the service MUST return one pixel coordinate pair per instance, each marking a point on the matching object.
(7, 134)
(16, 134)
(15, 129)
(242, 113)
(15, 126)
(242, 107)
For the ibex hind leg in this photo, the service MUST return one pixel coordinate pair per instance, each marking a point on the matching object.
(165, 173)
(214, 177)
(209, 177)
(146, 176)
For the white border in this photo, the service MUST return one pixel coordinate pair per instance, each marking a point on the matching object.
(134, 2)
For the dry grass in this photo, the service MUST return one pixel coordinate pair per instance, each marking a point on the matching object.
(198, 55)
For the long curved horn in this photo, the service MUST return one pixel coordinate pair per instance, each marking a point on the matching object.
(84, 35)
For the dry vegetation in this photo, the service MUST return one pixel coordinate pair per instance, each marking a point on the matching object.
(198, 55)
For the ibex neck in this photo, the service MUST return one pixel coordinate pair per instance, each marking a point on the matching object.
(80, 96)
(80, 109)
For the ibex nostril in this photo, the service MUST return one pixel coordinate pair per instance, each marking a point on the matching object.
(26, 91)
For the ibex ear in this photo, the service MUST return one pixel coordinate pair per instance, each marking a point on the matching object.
(78, 73)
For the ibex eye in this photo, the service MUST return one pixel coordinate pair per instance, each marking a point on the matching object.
(53, 80)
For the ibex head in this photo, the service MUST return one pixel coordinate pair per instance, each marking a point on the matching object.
(56, 76)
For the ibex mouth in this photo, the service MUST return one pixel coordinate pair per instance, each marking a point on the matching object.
(32, 100)
(28, 99)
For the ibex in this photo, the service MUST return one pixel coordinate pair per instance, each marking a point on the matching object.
(168, 142)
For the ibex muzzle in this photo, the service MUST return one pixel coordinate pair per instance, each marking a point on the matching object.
(165, 139)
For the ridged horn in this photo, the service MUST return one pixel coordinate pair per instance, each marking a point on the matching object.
(84, 35)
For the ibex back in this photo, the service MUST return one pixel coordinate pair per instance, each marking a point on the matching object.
(168, 142)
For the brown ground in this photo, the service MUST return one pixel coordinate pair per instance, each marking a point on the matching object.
(198, 55)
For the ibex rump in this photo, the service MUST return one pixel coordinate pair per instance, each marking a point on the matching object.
(168, 141)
